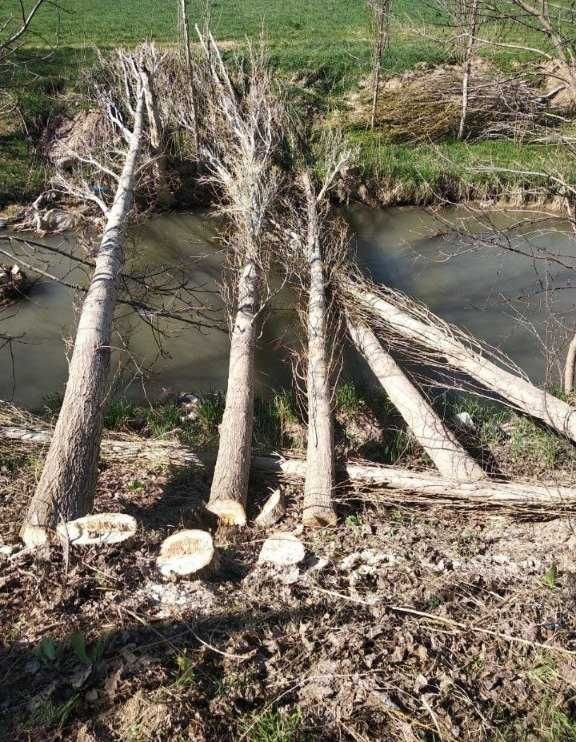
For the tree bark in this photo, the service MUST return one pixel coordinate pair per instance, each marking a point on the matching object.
(318, 508)
(520, 393)
(570, 367)
(68, 481)
(450, 458)
(472, 23)
(232, 471)
(419, 487)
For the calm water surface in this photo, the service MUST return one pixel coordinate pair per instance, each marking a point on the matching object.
(497, 294)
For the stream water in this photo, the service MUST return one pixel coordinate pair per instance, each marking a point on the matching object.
(498, 294)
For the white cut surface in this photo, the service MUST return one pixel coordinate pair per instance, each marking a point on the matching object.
(186, 552)
(283, 549)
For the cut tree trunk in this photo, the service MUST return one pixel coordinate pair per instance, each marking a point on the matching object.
(318, 507)
(570, 367)
(68, 481)
(232, 471)
(517, 391)
(450, 458)
(419, 487)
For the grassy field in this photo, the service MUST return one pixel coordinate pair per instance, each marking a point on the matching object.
(323, 45)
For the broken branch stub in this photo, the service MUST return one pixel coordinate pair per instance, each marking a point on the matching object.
(282, 549)
(101, 529)
(274, 508)
(186, 553)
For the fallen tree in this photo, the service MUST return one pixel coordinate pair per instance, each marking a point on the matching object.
(438, 441)
(406, 320)
(246, 120)
(318, 509)
(420, 487)
(67, 484)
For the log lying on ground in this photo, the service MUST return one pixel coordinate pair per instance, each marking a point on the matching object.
(450, 458)
(318, 509)
(426, 487)
(517, 391)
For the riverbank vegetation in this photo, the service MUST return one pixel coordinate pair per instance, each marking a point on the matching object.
(324, 56)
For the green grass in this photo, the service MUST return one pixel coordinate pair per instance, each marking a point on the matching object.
(321, 47)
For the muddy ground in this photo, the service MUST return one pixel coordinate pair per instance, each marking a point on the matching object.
(402, 623)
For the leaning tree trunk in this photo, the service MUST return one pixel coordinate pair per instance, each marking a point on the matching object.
(67, 485)
(318, 508)
(520, 393)
(232, 471)
(450, 458)
(569, 367)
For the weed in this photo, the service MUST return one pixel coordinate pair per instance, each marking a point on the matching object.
(49, 714)
(88, 655)
(186, 675)
(274, 726)
(354, 521)
(550, 578)
(119, 414)
(348, 398)
(47, 651)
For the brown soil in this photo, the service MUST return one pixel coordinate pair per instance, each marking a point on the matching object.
(401, 624)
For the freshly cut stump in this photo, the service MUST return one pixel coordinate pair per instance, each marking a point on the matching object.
(101, 529)
(186, 553)
(283, 549)
(273, 510)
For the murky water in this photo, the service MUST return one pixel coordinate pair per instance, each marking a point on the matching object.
(494, 293)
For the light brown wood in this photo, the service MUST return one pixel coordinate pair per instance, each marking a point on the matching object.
(438, 441)
(274, 508)
(517, 391)
(189, 552)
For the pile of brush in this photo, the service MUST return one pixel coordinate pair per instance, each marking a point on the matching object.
(428, 107)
